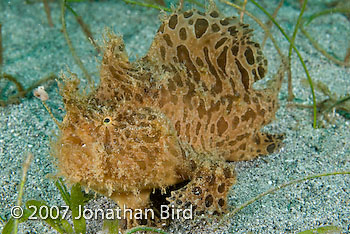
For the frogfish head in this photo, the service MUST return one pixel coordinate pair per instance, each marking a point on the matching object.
(115, 147)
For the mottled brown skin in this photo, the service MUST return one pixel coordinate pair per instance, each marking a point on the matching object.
(213, 105)
(174, 117)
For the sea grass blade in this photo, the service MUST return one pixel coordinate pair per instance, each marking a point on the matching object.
(158, 7)
(270, 191)
(145, 229)
(315, 44)
(26, 166)
(70, 45)
(78, 199)
(60, 224)
(296, 27)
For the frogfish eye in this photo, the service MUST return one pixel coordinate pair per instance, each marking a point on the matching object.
(107, 120)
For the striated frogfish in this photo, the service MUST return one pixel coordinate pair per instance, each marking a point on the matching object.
(164, 129)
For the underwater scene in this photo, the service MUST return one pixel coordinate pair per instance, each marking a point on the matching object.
(174, 116)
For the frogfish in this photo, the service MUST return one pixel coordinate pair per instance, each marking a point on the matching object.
(165, 129)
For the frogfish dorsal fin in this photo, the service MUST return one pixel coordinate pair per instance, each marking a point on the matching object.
(208, 42)
(116, 73)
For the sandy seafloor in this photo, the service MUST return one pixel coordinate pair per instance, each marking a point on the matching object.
(32, 50)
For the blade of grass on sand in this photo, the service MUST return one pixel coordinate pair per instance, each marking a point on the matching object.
(158, 7)
(70, 45)
(270, 191)
(315, 44)
(145, 229)
(26, 166)
(1, 58)
(290, 85)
